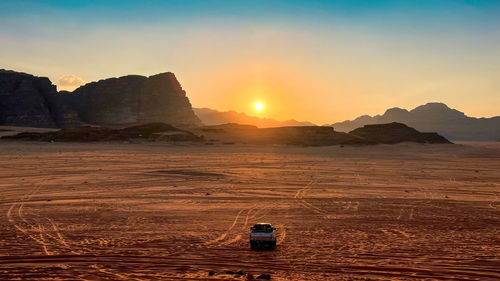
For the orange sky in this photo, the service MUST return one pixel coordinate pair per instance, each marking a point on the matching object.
(313, 61)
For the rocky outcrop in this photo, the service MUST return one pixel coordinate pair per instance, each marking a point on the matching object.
(318, 136)
(433, 117)
(26, 100)
(147, 132)
(134, 99)
(395, 133)
(304, 135)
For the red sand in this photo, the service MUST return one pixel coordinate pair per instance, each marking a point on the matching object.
(157, 211)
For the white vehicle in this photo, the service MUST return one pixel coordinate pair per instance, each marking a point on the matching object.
(262, 234)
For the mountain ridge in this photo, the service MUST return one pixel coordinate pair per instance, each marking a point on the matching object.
(432, 117)
(214, 117)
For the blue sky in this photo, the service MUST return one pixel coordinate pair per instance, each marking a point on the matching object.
(322, 61)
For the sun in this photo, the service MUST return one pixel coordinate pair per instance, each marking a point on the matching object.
(258, 106)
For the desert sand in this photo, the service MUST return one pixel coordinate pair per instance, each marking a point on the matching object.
(153, 211)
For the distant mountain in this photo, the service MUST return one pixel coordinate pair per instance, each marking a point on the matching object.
(213, 117)
(433, 117)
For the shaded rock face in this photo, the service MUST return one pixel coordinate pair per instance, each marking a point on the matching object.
(302, 136)
(148, 132)
(134, 99)
(26, 100)
(395, 133)
(391, 133)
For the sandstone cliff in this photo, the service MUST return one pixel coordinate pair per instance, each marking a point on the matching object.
(27, 100)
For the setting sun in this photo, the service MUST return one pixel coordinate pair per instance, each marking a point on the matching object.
(258, 106)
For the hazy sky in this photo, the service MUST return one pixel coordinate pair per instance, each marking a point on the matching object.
(321, 61)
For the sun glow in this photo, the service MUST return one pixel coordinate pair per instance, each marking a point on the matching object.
(258, 106)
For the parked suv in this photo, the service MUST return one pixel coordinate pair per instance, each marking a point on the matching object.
(262, 234)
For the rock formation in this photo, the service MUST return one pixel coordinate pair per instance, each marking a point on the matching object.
(433, 117)
(147, 132)
(392, 133)
(134, 99)
(319, 136)
(26, 100)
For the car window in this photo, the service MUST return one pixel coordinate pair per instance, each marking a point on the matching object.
(263, 228)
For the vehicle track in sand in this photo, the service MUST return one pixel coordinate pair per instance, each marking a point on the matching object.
(495, 204)
(238, 226)
(417, 272)
(16, 218)
(406, 213)
(346, 205)
(51, 245)
(299, 198)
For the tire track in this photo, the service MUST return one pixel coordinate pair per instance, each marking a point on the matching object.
(253, 213)
(406, 212)
(299, 197)
(42, 237)
(224, 239)
(493, 204)
(19, 204)
(223, 235)
(281, 238)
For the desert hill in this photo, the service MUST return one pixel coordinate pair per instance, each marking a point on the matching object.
(395, 133)
(27, 100)
(214, 117)
(391, 133)
(318, 136)
(148, 132)
(433, 117)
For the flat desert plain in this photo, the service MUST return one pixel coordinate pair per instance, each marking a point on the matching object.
(154, 211)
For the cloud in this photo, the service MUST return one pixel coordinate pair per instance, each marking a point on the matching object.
(70, 82)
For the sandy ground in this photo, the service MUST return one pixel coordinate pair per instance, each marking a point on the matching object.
(171, 212)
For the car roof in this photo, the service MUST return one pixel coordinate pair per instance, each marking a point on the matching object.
(262, 223)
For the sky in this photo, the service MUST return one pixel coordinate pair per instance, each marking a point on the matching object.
(320, 61)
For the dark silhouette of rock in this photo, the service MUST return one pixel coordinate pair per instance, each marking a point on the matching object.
(264, 276)
(304, 136)
(148, 132)
(213, 117)
(392, 133)
(319, 136)
(26, 100)
(433, 117)
(134, 99)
